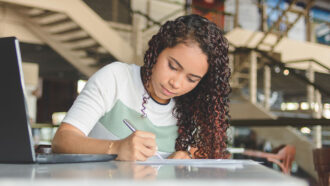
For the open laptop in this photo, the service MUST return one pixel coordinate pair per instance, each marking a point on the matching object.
(16, 142)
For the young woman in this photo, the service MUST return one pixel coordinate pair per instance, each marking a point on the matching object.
(177, 101)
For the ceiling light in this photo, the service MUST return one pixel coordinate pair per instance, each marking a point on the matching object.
(304, 106)
(305, 130)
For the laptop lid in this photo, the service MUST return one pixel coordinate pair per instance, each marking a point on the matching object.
(16, 142)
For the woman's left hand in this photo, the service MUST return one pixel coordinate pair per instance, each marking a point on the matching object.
(179, 155)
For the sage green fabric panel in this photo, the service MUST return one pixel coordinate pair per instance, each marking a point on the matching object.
(113, 121)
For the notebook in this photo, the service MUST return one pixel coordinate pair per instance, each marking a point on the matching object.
(16, 142)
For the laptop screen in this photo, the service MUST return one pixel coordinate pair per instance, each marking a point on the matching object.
(15, 133)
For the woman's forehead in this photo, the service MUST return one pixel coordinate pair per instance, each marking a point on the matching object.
(190, 57)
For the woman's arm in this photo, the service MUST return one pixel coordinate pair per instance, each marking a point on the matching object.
(139, 145)
(180, 155)
(184, 154)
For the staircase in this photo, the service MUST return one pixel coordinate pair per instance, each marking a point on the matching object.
(78, 34)
(283, 25)
(246, 61)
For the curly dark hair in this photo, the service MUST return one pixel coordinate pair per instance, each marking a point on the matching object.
(203, 113)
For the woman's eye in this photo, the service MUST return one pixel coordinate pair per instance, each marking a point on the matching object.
(171, 66)
(190, 80)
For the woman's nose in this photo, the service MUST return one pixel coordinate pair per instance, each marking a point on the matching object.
(176, 81)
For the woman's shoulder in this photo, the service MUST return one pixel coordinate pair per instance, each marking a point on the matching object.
(116, 69)
(117, 66)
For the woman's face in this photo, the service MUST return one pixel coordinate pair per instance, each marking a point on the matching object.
(177, 71)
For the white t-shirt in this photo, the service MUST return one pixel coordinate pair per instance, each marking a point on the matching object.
(115, 93)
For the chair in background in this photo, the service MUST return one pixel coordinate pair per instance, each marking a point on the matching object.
(321, 158)
(283, 156)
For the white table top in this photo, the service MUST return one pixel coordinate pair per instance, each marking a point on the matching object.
(192, 172)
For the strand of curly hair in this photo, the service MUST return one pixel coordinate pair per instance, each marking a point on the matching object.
(203, 114)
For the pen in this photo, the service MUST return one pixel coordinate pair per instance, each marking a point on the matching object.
(133, 130)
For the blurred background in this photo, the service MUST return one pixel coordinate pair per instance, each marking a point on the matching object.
(279, 57)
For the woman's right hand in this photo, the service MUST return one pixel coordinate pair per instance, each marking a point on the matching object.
(140, 145)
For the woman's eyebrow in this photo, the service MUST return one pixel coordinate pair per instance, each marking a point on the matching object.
(177, 62)
(180, 66)
(197, 76)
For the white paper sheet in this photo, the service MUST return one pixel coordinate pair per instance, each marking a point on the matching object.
(195, 162)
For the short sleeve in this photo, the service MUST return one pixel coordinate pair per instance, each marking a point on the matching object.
(96, 98)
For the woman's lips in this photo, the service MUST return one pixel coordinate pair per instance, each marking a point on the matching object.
(167, 92)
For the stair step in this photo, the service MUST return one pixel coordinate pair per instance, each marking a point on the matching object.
(56, 22)
(68, 31)
(53, 20)
(63, 28)
(96, 51)
(91, 47)
(99, 56)
(69, 35)
(36, 12)
(50, 18)
(75, 39)
(82, 44)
